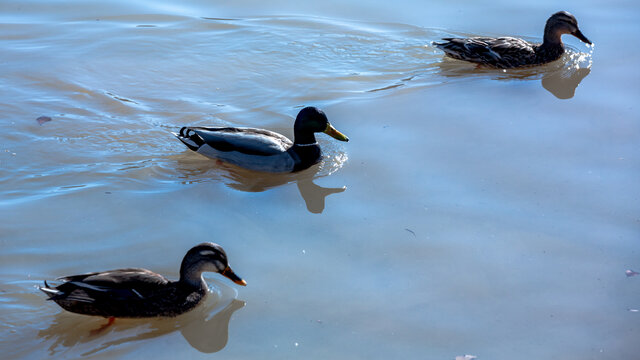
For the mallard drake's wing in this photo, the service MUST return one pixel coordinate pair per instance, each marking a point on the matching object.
(255, 149)
(248, 141)
(501, 52)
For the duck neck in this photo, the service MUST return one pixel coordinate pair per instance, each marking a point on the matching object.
(192, 277)
(552, 37)
(303, 138)
(551, 48)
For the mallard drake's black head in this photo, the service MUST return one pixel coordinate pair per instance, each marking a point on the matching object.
(311, 120)
(561, 23)
(206, 257)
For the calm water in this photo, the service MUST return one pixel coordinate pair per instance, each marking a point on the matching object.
(476, 212)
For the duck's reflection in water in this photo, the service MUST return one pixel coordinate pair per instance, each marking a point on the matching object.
(314, 195)
(204, 328)
(198, 170)
(563, 83)
(561, 77)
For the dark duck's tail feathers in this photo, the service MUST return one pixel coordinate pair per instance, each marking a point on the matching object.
(190, 138)
(51, 293)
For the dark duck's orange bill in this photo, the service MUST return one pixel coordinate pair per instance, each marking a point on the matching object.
(233, 277)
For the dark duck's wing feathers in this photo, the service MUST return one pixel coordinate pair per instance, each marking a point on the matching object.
(121, 283)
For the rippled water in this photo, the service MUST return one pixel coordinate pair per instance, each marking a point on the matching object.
(474, 211)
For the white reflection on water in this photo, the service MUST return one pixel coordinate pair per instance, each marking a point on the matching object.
(111, 118)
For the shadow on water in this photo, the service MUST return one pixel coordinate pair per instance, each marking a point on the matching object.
(203, 170)
(205, 330)
(560, 78)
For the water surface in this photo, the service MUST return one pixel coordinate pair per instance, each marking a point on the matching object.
(474, 211)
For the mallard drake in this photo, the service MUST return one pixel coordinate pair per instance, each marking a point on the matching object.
(137, 293)
(264, 150)
(508, 52)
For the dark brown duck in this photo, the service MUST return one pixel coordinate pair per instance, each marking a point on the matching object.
(137, 293)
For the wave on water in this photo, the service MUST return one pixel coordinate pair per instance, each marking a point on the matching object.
(112, 106)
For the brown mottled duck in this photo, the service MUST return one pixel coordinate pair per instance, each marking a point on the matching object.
(509, 52)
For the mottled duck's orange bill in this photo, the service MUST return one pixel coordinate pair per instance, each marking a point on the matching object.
(233, 277)
(331, 131)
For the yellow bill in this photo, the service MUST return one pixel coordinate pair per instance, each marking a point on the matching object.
(331, 131)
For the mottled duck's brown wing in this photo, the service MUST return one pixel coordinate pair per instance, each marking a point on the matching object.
(513, 52)
(498, 52)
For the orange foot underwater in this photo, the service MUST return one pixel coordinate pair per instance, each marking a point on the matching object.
(103, 327)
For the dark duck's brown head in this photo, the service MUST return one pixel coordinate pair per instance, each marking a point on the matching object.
(311, 120)
(561, 23)
(202, 258)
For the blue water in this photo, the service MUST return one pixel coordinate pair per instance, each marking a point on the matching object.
(483, 212)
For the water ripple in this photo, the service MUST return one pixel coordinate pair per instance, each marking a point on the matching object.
(111, 116)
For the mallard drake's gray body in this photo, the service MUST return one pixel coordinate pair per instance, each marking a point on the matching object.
(263, 150)
(137, 293)
(509, 52)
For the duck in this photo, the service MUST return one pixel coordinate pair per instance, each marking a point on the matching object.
(141, 293)
(264, 150)
(509, 52)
